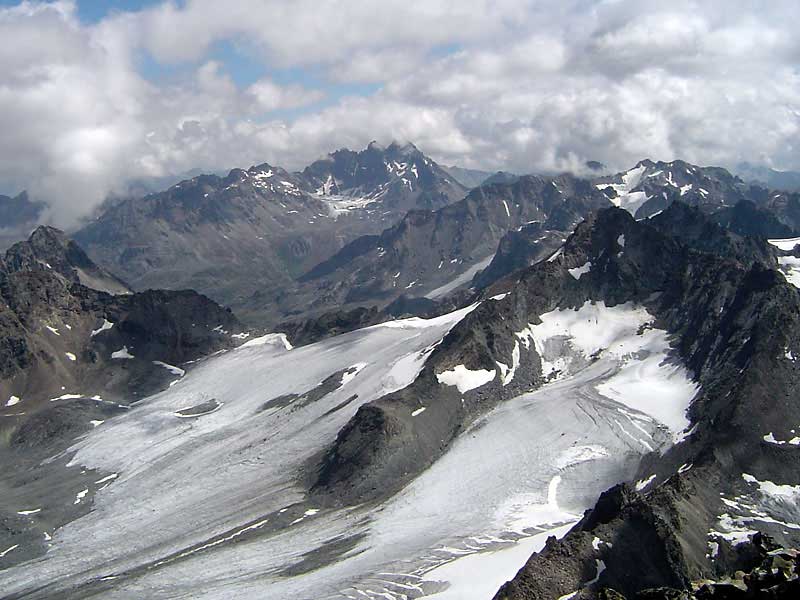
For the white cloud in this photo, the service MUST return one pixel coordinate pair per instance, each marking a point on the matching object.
(270, 96)
(505, 84)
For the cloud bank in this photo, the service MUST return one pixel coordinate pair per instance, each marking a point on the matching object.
(507, 84)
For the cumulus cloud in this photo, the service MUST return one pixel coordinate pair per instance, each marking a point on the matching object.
(512, 84)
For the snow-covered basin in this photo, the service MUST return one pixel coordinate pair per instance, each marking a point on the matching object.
(530, 466)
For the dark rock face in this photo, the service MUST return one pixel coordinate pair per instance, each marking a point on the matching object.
(722, 234)
(49, 248)
(518, 249)
(747, 219)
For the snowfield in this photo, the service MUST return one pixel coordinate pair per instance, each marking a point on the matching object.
(786, 244)
(790, 267)
(626, 198)
(214, 507)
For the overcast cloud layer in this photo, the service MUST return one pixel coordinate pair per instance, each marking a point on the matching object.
(512, 84)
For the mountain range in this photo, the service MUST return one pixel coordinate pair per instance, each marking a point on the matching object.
(541, 387)
(257, 229)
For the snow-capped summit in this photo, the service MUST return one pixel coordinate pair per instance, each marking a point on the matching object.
(651, 186)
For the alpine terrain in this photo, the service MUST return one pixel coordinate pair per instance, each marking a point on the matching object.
(554, 387)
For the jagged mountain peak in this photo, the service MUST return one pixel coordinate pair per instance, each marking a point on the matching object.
(50, 249)
(650, 186)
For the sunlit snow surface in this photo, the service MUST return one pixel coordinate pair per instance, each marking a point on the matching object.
(786, 244)
(626, 198)
(790, 267)
(222, 494)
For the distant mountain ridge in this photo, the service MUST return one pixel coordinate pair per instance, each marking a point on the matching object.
(258, 228)
(257, 238)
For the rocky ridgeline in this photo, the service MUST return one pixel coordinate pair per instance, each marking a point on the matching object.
(770, 572)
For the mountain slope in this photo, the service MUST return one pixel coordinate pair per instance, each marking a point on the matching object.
(433, 252)
(652, 186)
(778, 180)
(62, 338)
(469, 178)
(690, 514)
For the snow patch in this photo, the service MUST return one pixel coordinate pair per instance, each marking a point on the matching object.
(785, 244)
(67, 397)
(626, 198)
(577, 272)
(643, 483)
(171, 368)
(279, 340)
(104, 327)
(122, 353)
(466, 379)
(770, 438)
(790, 267)
(789, 493)
(556, 254)
(13, 400)
(507, 373)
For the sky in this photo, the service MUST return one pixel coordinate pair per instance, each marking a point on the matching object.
(95, 95)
